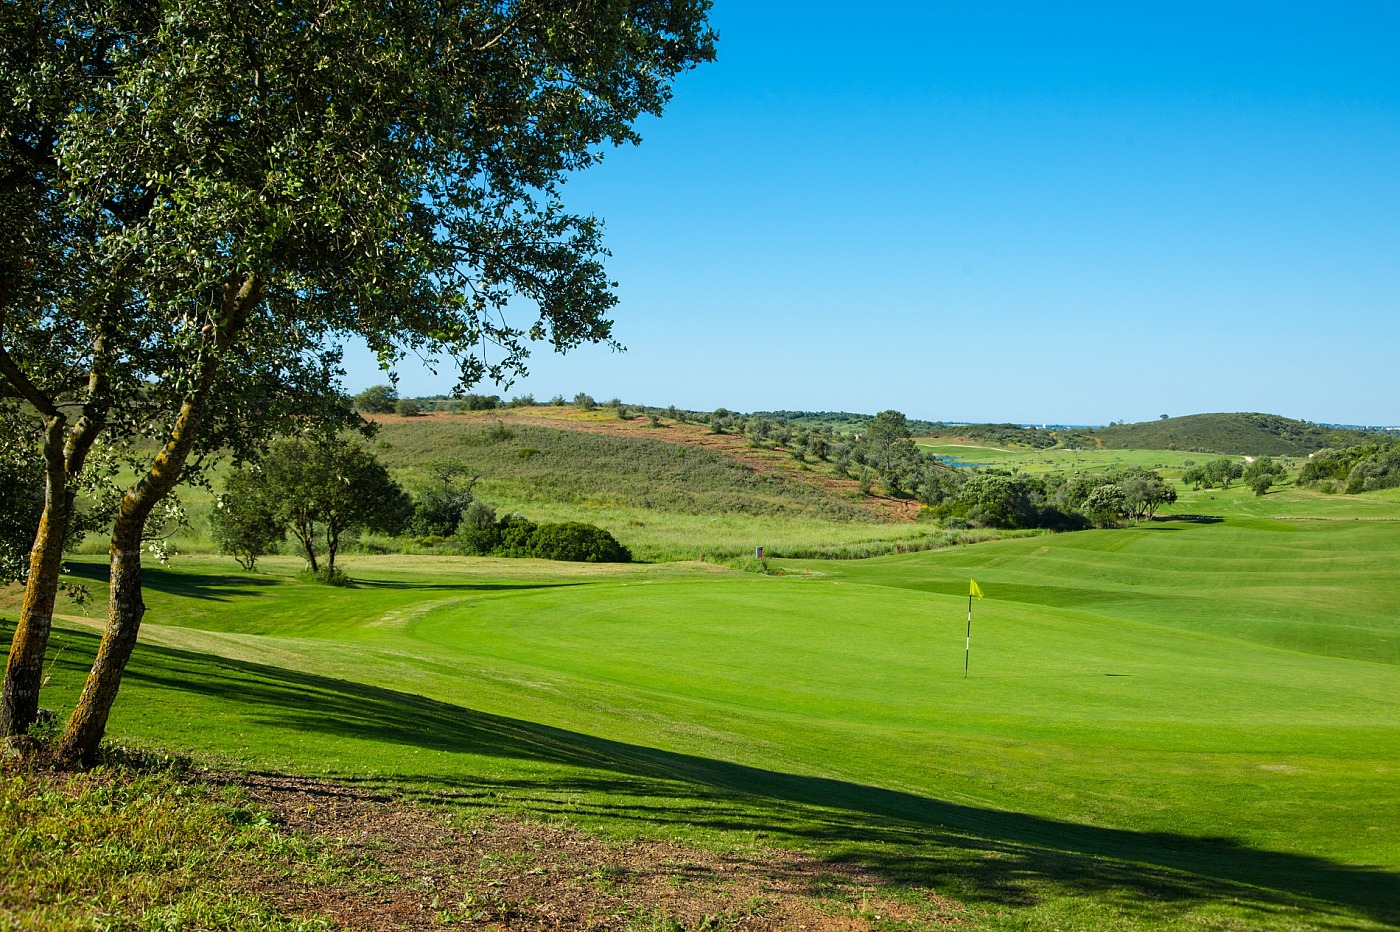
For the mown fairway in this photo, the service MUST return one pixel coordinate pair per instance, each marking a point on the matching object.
(1193, 722)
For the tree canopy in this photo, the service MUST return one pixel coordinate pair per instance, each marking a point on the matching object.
(200, 197)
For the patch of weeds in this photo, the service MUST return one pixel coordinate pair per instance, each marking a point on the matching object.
(607, 877)
(122, 848)
(652, 920)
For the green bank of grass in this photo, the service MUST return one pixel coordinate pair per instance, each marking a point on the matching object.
(1192, 723)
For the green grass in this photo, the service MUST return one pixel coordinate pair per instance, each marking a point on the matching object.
(1193, 723)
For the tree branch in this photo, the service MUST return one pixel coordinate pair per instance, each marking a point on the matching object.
(20, 382)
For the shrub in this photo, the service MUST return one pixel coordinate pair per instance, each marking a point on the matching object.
(481, 541)
(517, 536)
(407, 407)
(574, 540)
(328, 576)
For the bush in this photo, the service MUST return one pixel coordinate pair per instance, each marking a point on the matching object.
(517, 536)
(574, 540)
(328, 576)
(481, 541)
(407, 407)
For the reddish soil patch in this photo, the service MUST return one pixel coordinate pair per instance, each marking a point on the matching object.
(775, 460)
(404, 866)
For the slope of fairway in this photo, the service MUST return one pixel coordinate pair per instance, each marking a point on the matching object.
(1192, 722)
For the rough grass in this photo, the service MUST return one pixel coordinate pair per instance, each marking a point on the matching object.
(133, 849)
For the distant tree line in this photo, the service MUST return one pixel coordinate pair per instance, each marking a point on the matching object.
(1364, 467)
(385, 399)
(1001, 498)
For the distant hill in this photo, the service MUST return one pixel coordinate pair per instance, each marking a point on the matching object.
(1250, 434)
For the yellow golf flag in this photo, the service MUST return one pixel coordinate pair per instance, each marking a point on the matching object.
(975, 589)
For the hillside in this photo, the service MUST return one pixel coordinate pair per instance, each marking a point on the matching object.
(1250, 434)
(667, 489)
(578, 461)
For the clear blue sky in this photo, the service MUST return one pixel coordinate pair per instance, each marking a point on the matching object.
(1071, 213)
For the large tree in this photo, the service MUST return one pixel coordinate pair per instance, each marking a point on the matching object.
(245, 181)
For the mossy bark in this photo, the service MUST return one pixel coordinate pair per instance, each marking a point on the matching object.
(82, 738)
(65, 452)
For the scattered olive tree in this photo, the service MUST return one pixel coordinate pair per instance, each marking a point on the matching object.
(377, 399)
(326, 490)
(1263, 473)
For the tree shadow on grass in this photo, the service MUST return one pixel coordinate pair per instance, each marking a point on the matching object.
(460, 587)
(1189, 519)
(206, 586)
(983, 856)
(226, 587)
(1054, 596)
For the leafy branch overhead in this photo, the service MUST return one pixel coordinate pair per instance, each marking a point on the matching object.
(201, 196)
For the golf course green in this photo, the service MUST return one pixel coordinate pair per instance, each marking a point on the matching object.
(1194, 721)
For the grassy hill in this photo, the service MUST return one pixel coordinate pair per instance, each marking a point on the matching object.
(674, 491)
(1247, 434)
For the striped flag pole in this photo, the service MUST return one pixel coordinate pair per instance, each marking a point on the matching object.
(972, 589)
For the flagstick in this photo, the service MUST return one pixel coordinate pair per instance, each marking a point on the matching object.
(967, 651)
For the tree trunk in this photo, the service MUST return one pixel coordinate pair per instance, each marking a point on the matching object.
(88, 723)
(65, 453)
(305, 532)
(332, 545)
(24, 671)
(82, 738)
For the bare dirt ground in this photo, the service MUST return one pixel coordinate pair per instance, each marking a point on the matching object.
(416, 867)
(763, 460)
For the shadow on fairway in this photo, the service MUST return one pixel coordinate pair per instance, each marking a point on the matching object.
(979, 855)
(206, 586)
(1054, 596)
(459, 587)
(225, 587)
(1189, 519)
